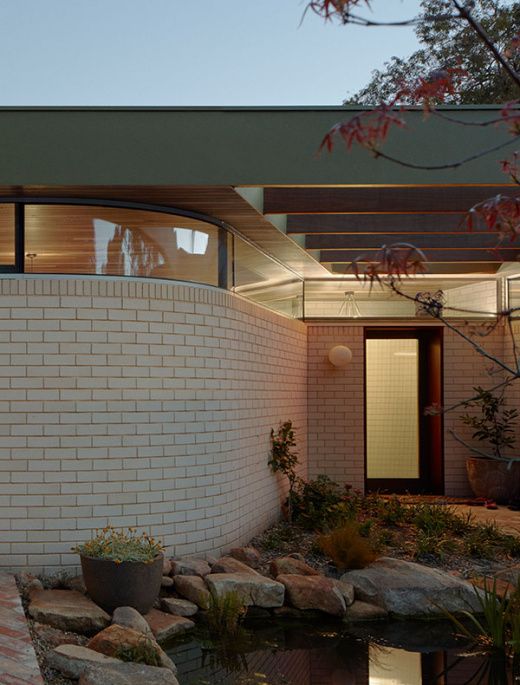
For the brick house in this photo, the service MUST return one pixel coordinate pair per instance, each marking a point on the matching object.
(172, 283)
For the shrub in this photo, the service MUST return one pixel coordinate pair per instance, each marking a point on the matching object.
(284, 458)
(119, 546)
(320, 504)
(346, 547)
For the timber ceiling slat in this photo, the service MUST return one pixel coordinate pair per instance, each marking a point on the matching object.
(377, 223)
(466, 240)
(418, 199)
(432, 255)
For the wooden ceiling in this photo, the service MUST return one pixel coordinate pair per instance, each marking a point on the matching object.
(327, 227)
(340, 224)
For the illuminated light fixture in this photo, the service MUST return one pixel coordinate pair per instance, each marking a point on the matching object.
(340, 356)
(349, 306)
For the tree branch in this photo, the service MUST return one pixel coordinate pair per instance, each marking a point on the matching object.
(481, 453)
(465, 13)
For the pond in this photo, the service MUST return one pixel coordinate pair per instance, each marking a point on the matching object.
(296, 653)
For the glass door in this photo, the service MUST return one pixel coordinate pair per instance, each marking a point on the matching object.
(403, 443)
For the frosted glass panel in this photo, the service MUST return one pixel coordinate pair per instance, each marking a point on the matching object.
(392, 408)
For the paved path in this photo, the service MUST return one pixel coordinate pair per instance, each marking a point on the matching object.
(508, 521)
(18, 665)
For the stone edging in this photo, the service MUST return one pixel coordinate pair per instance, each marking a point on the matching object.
(18, 663)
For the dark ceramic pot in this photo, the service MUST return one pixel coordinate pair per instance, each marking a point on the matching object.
(493, 479)
(128, 584)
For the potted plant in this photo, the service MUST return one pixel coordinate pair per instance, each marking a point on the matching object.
(493, 472)
(122, 569)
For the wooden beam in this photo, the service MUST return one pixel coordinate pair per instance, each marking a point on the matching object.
(377, 223)
(436, 199)
(468, 241)
(432, 255)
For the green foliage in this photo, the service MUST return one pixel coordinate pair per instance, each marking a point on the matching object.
(432, 544)
(224, 614)
(284, 458)
(119, 546)
(346, 548)
(495, 424)
(439, 520)
(320, 504)
(448, 43)
(144, 652)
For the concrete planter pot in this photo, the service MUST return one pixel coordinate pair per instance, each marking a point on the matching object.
(131, 583)
(493, 479)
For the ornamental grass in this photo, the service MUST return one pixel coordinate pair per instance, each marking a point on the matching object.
(120, 545)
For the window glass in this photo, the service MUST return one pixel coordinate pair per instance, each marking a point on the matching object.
(71, 239)
(263, 280)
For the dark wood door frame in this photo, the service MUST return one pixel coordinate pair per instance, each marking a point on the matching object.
(431, 429)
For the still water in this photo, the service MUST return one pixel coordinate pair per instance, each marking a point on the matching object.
(399, 653)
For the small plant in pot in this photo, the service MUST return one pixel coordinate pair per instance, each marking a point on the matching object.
(122, 568)
(493, 471)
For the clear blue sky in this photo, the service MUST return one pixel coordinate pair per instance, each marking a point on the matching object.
(187, 52)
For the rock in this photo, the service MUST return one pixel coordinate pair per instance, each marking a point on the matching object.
(164, 626)
(404, 588)
(252, 588)
(231, 565)
(290, 612)
(166, 567)
(75, 583)
(127, 674)
(194, 589)
(361, 611)
(346, 590)
(190, 567)
(73, 660)
(292, 566)
(68, 610)
(247, 555)
(54, 637)
(29, 584)
(179, 607)
(314, 592)
(166, 581)
(128, 617)
(115, 638)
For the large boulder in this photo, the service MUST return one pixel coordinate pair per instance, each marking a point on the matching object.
(179, 607)
(190, 566)
(129, 617)
(292, 566)
(252, 588)
(164, 626)
(68, 610)
(404, 588)
(232, 565)
(361, 611)
(317, 593)
(73, 660)
(127, 674)
(247, 555)
(116, 638)
(194, 589)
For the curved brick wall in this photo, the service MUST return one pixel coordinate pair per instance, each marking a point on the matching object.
(139, 403)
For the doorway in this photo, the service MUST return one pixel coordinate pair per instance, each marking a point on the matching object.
(403, 442)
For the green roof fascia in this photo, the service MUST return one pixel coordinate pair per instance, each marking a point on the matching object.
(237, 146)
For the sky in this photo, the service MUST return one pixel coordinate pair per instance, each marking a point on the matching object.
(188, 52)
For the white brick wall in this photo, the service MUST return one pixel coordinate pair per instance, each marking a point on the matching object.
(139, 403)
(336, 404)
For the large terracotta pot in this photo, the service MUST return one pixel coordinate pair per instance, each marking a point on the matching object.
(493, 479)
(128, 584)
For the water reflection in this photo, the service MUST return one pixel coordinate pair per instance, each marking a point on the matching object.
(301, 655)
